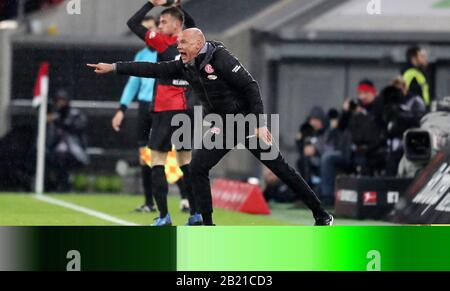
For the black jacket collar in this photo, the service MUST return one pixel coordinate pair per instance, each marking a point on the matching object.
(205, 58)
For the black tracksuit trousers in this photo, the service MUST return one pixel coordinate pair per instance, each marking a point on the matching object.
(205, 159)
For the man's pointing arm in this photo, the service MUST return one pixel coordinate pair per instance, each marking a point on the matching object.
(172, 70)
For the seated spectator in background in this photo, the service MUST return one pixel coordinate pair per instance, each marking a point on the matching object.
(411, 102)
(368, 103)
(311, 141)
(333, 134)
(367, 130)
(416, 74)
(356, 143)
(336, 158)
(276, 190)
(66, 141)
(402, 111)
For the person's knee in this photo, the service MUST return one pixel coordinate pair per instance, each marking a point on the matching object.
(142, 162)
(142, 158)
(184, 158)
(158, 158)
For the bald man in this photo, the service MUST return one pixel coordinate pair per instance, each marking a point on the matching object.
(224, 87)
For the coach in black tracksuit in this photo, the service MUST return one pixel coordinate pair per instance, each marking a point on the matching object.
(223, 87)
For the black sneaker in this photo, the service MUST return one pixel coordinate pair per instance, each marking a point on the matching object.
(326, 220)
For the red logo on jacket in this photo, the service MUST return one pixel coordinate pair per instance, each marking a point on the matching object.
(209, 69)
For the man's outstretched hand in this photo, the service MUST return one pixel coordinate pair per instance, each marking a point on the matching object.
(264, 134)
(102, 68)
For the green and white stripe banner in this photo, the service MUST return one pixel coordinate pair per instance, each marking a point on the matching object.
(398, 248)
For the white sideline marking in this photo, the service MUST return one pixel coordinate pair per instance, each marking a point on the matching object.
(84, 210)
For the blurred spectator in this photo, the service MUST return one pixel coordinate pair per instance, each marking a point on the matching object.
(411, 103)
(355, 141)
(66, 140)
(402, 111)
(311, 141)
(336, 158)
(9, 9)
(368, 103)
(276, 190)
(368, 137)
(367, 130)
(416, 73)
(333, 135)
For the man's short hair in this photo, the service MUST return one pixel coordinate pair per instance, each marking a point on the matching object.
(412, 52)
(174, 12)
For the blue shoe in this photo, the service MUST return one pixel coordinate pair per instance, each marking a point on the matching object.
(166, 221)
(195, 220)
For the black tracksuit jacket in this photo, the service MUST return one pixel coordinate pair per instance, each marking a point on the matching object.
(223, 85)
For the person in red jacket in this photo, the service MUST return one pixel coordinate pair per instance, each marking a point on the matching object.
(170, 99)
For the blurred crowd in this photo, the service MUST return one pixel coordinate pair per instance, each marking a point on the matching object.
(364, 137)
(9, 9)
(66, 148)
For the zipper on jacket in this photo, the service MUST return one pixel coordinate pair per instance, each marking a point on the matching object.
(204, 89)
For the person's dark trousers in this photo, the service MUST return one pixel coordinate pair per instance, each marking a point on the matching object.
(62, 164)
(331, 162)
(361, 165)
(205, 159)
(62, 175)
(392, 162)
(147, 184)
(188, 187)
(160, 189)
(182, 187)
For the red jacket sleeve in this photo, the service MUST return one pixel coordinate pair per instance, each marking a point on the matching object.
(158, 41)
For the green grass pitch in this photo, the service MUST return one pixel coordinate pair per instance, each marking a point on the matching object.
(24, 210)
